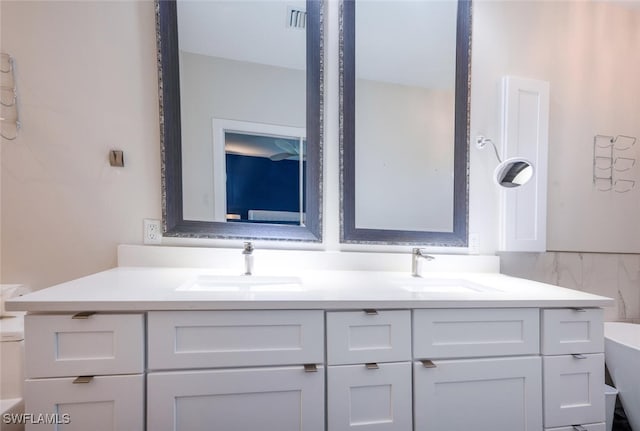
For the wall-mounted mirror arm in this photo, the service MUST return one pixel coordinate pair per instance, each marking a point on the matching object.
(510, 173)
(481, 143)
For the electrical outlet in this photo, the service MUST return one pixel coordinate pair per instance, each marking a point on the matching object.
(152, 231)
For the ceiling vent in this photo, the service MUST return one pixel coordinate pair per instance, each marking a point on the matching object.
(296, 18)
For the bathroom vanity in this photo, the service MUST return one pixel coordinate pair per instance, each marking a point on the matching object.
(185, 349)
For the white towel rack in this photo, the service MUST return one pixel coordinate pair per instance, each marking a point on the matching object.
(10, 116)
(611, 166)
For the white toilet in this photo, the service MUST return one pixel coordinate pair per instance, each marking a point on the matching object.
(11, 368)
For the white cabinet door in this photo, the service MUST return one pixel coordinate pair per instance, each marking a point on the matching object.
(105, 403)
(587, 427)
(473, 333)
(525, 133)
(496, 394)
(235, 338)
(102, 344)
(569, 331)
(573, 390)
(264, 399)
(356, 337)
(366, 398)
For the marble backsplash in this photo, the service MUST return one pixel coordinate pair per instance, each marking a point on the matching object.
(614, 275)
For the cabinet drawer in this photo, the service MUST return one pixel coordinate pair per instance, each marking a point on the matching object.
(466, 333)
(573, 390)
(109, 403)
(363, 399)
(273, 399)
(587, 427)
(59, 345)
(496, 394)
(356, 337)
(566, 331)
(210, 339)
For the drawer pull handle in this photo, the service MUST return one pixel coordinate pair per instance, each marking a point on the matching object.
(578, 356)
(370, 311)
(371, 366)
(82, 379)
(428, 363)
(579, 310)
(83, 315)
(310, 368)
(579, 428)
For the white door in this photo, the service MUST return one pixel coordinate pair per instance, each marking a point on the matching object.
(372, 397)
(573, 389)
(494, 394)
(104, 403)
(247, 399)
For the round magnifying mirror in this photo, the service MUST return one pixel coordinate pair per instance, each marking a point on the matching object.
(513, 172)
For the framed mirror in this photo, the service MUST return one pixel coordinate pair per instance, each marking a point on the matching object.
(404, 111)
(241, 118)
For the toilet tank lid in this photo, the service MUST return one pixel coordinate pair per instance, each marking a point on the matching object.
(12, 327)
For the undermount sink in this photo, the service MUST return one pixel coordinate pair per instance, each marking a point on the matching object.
(242, 283)
(443, 285)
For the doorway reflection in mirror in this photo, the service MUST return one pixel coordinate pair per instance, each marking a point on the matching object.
(263, 178)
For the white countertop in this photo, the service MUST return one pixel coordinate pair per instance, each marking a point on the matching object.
(149, 288)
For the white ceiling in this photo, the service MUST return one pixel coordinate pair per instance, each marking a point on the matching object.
(407, 42)
(254, 31)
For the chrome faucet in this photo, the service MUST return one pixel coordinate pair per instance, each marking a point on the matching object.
(247, 251)
(416, 254)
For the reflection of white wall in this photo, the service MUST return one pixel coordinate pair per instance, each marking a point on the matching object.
(404, 157)
(219, 88)
(407, 42)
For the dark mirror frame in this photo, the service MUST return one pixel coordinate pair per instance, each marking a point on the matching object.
(349, 233)
(174, 224)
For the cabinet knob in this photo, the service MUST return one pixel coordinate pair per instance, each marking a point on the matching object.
(371, 366)
(579, 428)
(578, 356)
(580, 310)
(83, 379)
(427, 363)
(83, 315)
(310, 368)
(370, 311)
